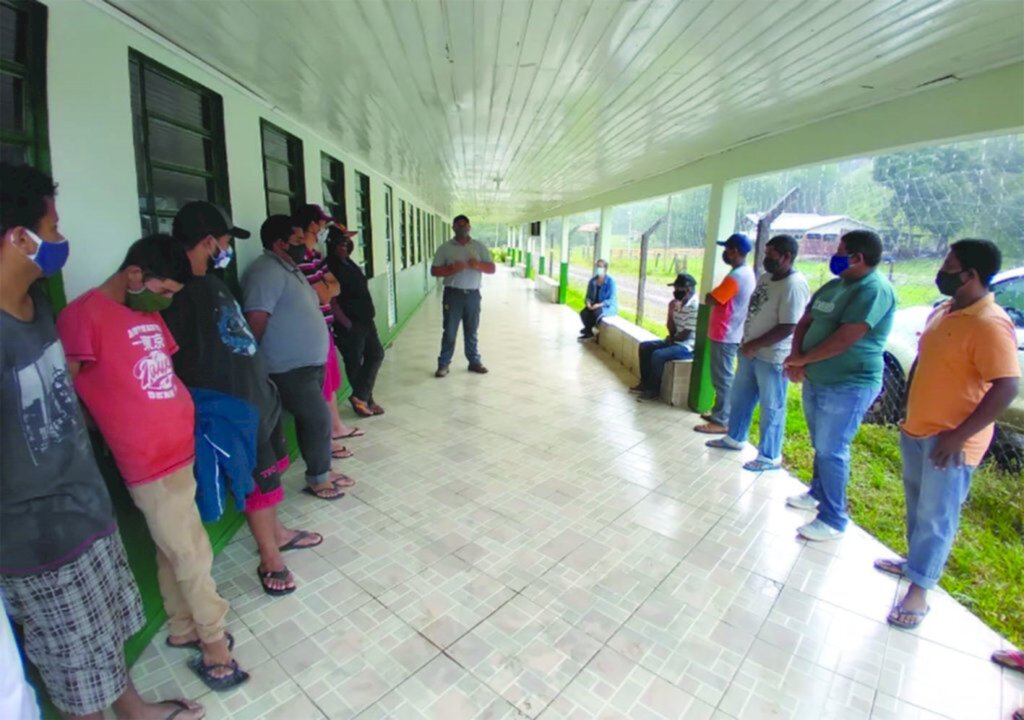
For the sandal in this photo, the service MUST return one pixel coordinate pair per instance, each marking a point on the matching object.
(761, 465)
(377, 409)
(890, 567)
(1011, 659)
(361, 408)
(712, 428)
(340, 453)
(722, 444)
(331, 495)
(917, 616)
(300, 535)
(356, 432)
(181, 706)
(196, 645)
(205, 673)
(281, 575)
(343, 481)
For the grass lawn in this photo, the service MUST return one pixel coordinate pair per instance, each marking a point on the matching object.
(986, 569)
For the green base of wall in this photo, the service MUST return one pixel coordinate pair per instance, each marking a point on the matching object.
(702, 394)
(563, 283)
(529, 265)
(540, 265)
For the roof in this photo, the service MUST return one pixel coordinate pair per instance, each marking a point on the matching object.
(804, 222)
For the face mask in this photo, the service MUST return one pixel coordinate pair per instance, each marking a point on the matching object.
(461, 232)
(948, 283)
(725, 258)
(679, 294)
(771, 265)
(49, 256)
(839, 264)
(145, 300)
(296, 252)
(322, 235)
(223, 258)
(600, 272)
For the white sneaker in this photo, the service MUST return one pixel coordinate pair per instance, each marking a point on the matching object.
(819, 531)
(804, 501)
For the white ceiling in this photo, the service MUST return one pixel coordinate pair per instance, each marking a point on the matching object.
(502, 108)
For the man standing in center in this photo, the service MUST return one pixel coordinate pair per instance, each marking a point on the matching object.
(462, 262)
(728, 303)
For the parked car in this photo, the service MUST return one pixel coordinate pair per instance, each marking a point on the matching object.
(901, 351)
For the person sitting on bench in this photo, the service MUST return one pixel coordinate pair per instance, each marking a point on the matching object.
(677, 345)
(602, 300)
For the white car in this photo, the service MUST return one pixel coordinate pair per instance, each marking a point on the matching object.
(901, 351)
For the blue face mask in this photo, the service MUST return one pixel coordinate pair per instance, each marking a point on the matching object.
(839, 264)
(49, 256)
(223, 258)
(600, 272)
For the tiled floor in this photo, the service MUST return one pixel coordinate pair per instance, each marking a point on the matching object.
(536, 543)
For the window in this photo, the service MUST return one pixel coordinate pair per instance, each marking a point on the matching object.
(178, 130)
(364, 216)
(23, 84)
(403, 234)
(418, 236)
(332, 174)
(283, 176)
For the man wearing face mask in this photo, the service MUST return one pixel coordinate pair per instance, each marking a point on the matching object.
(677, 345)
(284, 314)
(728, 304)
(354, 326)
(776, 306)
(462, 262)
(602, 300)
(119, 354)
(217, 351)
(64, 575)
(837, 354)
(965, 375)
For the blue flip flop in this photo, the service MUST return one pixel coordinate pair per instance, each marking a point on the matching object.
(219, 684)
(721, 444)
(759, 465)
(917, 615)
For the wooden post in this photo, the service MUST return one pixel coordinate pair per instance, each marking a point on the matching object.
(645, 241)
(764, 228)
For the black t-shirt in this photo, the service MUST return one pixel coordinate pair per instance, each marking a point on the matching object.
(53, 500)
(354, 299)
(217, 350)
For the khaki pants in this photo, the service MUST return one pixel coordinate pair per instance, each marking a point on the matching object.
(184, 557)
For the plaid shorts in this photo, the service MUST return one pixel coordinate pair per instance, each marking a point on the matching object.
(76, 620)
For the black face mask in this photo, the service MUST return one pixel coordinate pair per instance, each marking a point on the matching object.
(349, 247)
(296, 252)
(725, 257)
(679, 294)
(771, 265)
(948, 283)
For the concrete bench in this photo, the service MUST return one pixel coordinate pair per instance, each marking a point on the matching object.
(546, 288)
(519, 270)
(621, 339)
(675, 383)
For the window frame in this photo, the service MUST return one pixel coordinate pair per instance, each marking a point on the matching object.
(403, 233)
(294, 149)
(337, 210)
(364, 209)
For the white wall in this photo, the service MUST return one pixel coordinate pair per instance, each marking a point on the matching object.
(92, 151)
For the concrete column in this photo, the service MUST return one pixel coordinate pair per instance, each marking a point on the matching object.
(531, 243)
(721, 220)
(602, 241)
(542, 255)
(563, 256)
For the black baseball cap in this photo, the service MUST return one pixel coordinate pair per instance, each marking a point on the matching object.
(198, 219)
(739, 241)
(684, 279)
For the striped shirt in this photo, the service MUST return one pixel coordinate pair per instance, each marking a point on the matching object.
(314, 267)
(684, 317)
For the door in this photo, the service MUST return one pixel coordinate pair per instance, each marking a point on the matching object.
(389, 237)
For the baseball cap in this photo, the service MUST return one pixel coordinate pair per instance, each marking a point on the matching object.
(274, 228)
(307, 214)
(197, 219)
(739, 241)
(684, 279)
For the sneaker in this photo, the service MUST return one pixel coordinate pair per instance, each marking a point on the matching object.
(441, 371)
(804, 501)
(478, 368)
(819, 531)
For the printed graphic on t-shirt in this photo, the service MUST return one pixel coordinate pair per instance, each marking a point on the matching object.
(48, 402)
(154, 371)
(757, 299)
(234, 330)
(823, 305)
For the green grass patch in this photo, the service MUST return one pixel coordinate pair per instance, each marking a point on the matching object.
(986, 568)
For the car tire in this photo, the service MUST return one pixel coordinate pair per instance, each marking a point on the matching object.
(888, 407)
(1007, 449)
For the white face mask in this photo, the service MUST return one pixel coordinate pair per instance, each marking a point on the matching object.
(599, 272)
(322, 235)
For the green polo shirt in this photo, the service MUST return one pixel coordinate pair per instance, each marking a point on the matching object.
(869, 300)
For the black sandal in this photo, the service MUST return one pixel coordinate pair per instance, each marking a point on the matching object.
(325, 494)
(301, 535)
(282, 575)
(219, 684)
(196, 645)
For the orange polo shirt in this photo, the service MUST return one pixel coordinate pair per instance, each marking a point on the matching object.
(960, 353)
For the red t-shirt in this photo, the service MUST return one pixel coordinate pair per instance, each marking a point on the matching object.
(127, 382)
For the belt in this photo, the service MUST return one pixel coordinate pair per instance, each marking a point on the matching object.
(465, 291)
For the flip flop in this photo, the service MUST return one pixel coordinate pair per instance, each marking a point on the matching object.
(342, 453)
(324, 494)
(282, 575)
(205, 673)
(917, 615)
(343, 481)
(711, 428)
(182, 706)
(1011, 659)
(301, 535)
(721, 444)
(890, 567)
(196, 645)
(356, 432)
(760, 465)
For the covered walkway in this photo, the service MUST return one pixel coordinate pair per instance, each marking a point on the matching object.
(535, 543)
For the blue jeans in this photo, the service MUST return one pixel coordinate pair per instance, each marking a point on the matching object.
(934, 498)
(833, 414)
(723, 366)
(460, 306)
(759, 381)
(653, 356)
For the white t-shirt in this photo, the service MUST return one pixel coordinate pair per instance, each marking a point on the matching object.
(776, 302)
